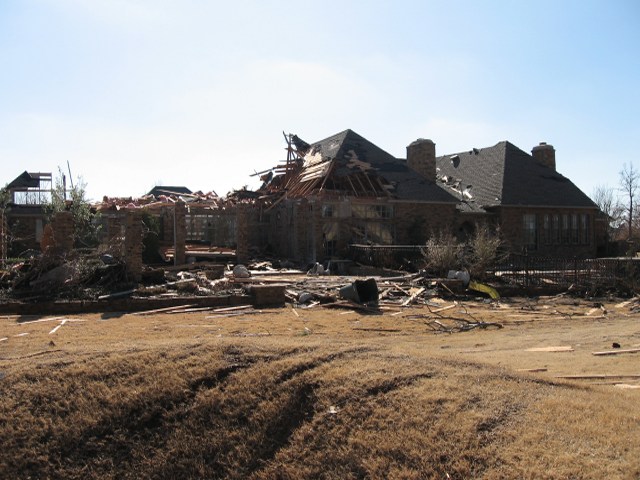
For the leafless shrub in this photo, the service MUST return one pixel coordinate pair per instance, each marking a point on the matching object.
(443, 252)
(484, 250)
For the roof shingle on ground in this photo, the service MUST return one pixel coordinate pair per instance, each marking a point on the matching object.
(504, 175)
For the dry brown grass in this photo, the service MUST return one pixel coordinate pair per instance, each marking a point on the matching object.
(318, 395)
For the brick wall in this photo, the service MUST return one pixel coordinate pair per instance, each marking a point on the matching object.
(415, 222)
(62, 226)
(180, 224)
(3, 236)
(133, 244)
(510, 220)
(242, 234)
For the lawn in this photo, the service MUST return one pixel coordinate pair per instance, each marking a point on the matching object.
(325, 393)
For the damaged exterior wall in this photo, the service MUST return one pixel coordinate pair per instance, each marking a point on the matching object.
(316, 230)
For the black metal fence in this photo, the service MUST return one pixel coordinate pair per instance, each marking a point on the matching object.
(532, 271)
(523, 270)
(388, 256)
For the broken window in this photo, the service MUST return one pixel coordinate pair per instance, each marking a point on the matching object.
(529, 231)
(373, 233)
(218, 230)
(377, 211)
(199, 227)
(328, 211)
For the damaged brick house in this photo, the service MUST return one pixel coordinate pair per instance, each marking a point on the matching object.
(538, 210)
(24, 218)
(345, 190)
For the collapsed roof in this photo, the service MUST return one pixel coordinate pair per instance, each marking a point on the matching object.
(346, 164)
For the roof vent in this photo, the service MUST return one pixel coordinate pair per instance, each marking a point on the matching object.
(455, 161)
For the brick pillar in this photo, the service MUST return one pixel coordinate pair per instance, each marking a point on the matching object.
(133, 245)
(300, 218)
(180, 232)
(3, 236)
(318, 244)
(242, 235)
(62, 227)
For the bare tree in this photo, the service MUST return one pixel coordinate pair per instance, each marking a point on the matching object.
(608, 203)
(629, 178)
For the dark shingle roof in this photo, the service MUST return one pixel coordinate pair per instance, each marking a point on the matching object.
(505, 175)
(350, 151)
(164, 190)
(24, 180)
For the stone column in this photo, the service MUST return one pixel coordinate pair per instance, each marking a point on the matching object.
(242, 235)
(133, 244)
(180, 232)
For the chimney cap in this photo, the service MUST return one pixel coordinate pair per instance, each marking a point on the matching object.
(543, 146)
(422, 140)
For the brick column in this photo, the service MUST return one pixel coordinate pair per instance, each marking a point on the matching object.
(3, 236)
(300, 219)
(133, 245)
(242, 235)
(180, 232)
(62, 227)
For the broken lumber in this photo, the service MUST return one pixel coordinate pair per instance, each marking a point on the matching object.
(602, 376)
(117, 294)
(413, 296)
(562, 348)
(616, 352)
(231, 309)
(161, 310)
(57, 327)
(50, 319)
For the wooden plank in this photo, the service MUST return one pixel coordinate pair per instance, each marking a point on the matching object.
(190, 310)
(50, 319)
(232, 309)
(561, 348)
(56, 328)
(532, 370)
(616, 352)
(448, 307)
(412, 298)
(160, 310)
(597, 376)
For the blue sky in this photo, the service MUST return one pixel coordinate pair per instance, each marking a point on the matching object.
(134, 93)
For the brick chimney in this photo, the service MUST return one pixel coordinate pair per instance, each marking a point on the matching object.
(545, 155)
(421, 158)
